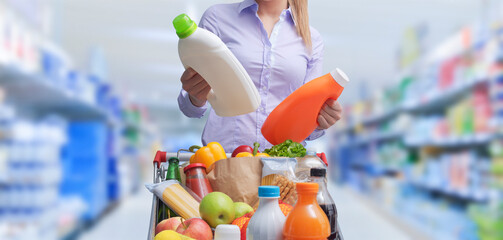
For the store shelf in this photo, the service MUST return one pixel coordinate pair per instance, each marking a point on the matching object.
(463, 195)
(451, 142)
(377, 137)
(439, 99)
(39, 94)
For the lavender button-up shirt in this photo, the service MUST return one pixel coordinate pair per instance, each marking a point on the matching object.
(277, 65)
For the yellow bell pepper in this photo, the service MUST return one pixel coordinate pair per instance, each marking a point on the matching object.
(208, 155)
(262, 155)
(245, 154)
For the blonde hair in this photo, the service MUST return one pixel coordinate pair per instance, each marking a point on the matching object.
(301, 17)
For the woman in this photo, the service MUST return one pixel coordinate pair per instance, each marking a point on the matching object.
(274, 42)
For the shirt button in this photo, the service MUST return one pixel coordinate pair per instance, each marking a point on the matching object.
(264, 88)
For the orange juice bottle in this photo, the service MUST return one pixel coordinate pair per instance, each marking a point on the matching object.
(296, 117)
(306, 221)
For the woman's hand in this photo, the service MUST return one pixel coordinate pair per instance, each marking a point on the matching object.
(330, 113)
(196, 86)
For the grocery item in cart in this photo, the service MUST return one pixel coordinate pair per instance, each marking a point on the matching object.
(306, 220)
(239, 178)
(208, 154)
(318, 176)
(232, 91)
(281, 172)
(296, 117)
(173, 172)
(268, 221)
(176, 198)
(196, 179)
(305, 164)
(227, 232)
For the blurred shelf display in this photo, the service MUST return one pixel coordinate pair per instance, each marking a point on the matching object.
(431, 148)
(41, 95)
(69, 147)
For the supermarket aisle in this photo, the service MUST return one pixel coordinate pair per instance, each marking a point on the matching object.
(359, 221)
(130, 221)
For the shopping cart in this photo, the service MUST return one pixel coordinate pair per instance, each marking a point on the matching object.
(160, 168)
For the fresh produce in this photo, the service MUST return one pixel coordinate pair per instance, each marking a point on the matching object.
(168, 224)
(195, 228)
(207, 155)
(244, 154)
(247, 151)
(242, 223)
(288, 148)
(241, 208)
(242, 149)
(167, 235)
(246, 148)
(217, 208)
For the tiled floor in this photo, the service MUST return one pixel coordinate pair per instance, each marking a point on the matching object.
(358, 220)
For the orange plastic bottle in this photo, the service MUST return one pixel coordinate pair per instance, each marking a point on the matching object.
(297, 116)
(306, 221)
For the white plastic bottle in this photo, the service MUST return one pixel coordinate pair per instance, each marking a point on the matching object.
(268, 221)
(232, 91)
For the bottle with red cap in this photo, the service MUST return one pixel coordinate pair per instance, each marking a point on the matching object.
(196, 179)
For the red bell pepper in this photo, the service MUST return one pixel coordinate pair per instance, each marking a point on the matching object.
(246, 148)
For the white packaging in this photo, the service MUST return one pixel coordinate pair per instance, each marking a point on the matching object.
(232, 91)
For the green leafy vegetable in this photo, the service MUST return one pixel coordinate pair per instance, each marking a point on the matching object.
(288, 148)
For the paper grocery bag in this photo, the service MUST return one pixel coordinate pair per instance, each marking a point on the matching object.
(237, 177)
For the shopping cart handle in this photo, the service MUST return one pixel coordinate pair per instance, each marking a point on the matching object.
(159, 158)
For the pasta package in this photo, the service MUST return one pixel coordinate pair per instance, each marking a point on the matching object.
(176, 197)
(281, 172)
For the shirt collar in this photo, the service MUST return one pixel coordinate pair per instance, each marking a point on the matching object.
(246, 4)
(252, 3)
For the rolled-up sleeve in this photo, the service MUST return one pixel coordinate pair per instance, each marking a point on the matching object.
(208, 22)
(314, 70)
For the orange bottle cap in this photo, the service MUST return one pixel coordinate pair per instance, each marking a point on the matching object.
(307, 187)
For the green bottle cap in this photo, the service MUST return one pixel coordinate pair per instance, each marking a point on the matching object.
(184, 26)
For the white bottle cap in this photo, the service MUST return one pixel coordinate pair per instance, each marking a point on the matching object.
(340, 77)
(227, 232)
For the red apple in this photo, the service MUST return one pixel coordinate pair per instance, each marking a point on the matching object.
(168, 224)
(195, 228)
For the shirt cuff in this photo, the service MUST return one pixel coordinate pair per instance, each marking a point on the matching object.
(188, 108)
(317, 133)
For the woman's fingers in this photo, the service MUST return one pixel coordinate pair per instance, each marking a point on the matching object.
(322, 122)
(330, 113)
(203, 93)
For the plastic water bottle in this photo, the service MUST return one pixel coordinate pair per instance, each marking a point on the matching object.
(296, 117)
(232, 90)
(268, 221)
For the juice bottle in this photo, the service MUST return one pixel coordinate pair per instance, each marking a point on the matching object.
(296, 117)
(268, 221)
(232, 90)
(306, 221)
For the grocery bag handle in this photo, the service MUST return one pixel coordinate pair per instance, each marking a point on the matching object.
(159, 158)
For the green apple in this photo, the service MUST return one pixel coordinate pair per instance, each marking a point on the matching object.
(241, 208)
(217, 208)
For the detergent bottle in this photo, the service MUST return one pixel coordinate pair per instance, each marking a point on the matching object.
(296, 117)
(232, 91)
